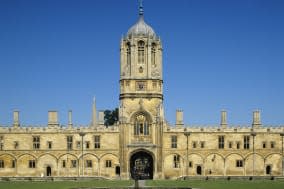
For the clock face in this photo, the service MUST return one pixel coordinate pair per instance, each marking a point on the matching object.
(141, 85)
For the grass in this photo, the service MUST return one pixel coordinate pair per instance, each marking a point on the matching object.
(219, 184)
(64, 184)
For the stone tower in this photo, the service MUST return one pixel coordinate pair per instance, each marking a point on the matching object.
(141, 98)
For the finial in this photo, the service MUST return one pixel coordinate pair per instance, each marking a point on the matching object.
(141, 11)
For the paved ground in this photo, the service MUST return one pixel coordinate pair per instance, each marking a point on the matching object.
(141, 183)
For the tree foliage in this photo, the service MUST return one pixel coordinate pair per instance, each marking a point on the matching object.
(111, 117)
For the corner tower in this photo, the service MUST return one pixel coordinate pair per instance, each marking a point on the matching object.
(141, 112)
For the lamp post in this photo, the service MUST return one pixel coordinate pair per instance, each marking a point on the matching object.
(82, 135)
(282, 135)
(187, 135)
(253, 134)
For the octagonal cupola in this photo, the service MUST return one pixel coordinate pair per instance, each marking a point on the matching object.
(140, 28)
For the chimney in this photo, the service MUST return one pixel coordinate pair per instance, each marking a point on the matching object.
(52, 118)
(223, 123)
(101, 117)
(16, 122)
(179, 118)
(256, 119)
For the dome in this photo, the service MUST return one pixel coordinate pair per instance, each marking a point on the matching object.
(141, 28)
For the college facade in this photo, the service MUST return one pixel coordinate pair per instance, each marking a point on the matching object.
(142, 144)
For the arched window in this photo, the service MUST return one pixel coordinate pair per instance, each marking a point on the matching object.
(141, 52)
(141, 125)
(128, 53)
(153, 54)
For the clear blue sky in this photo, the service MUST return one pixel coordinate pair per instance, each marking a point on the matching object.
(58, 54)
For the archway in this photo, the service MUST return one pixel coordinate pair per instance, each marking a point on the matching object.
(48, 171)
(198, 170)
(141, 165)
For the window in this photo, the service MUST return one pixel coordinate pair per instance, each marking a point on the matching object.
(89, 163)
(141, 126)
(202, 144)
(141, 53)
(190, 164)
(73, 163)
(221, 142)
(63, 163)
(49, 144)
(272, 144)
(108, 163)
(263, 144)
(32, 164)
(78, 145)
(174, 141)
(153, 54)
(194, 144)
(69, 142)
(176, 161)
(1, 163)
(87, 144)
(13, 163)
(239, 163)
(16, 145)
(246, 142)
(36, 142)
(128, 54)
(97, 141)
(238, 145)
(230, 145)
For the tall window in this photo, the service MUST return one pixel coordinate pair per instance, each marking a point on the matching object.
(87, 144)
(202, 144)
(69, 142)
(1, 142)
(176, 161)
(221, 142)
(32, 164)
(89, 163)
(153, 54)
(97, 141)
(246, 142)
(16, 145)
(141, 126)
(73, 163)
(13, 163)
(238, 145)
(141, 53)
(1, 163)
(239, 163)
(49, 144)
(174, 141)
(36, 142)
(263, 144)
(108, 163)
(63, 163)
(272, 144)
(128, 54)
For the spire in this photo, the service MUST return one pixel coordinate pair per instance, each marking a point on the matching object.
(141, 11)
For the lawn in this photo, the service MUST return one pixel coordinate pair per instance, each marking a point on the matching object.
(219, 184)
(63, 184)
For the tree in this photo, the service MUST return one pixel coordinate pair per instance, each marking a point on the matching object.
(111, 117)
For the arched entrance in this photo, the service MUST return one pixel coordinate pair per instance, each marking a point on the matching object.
(268, 169)
(141, 165)
(48, 171)
(198, 170)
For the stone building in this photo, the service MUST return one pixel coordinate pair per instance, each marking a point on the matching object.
(142, 143)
